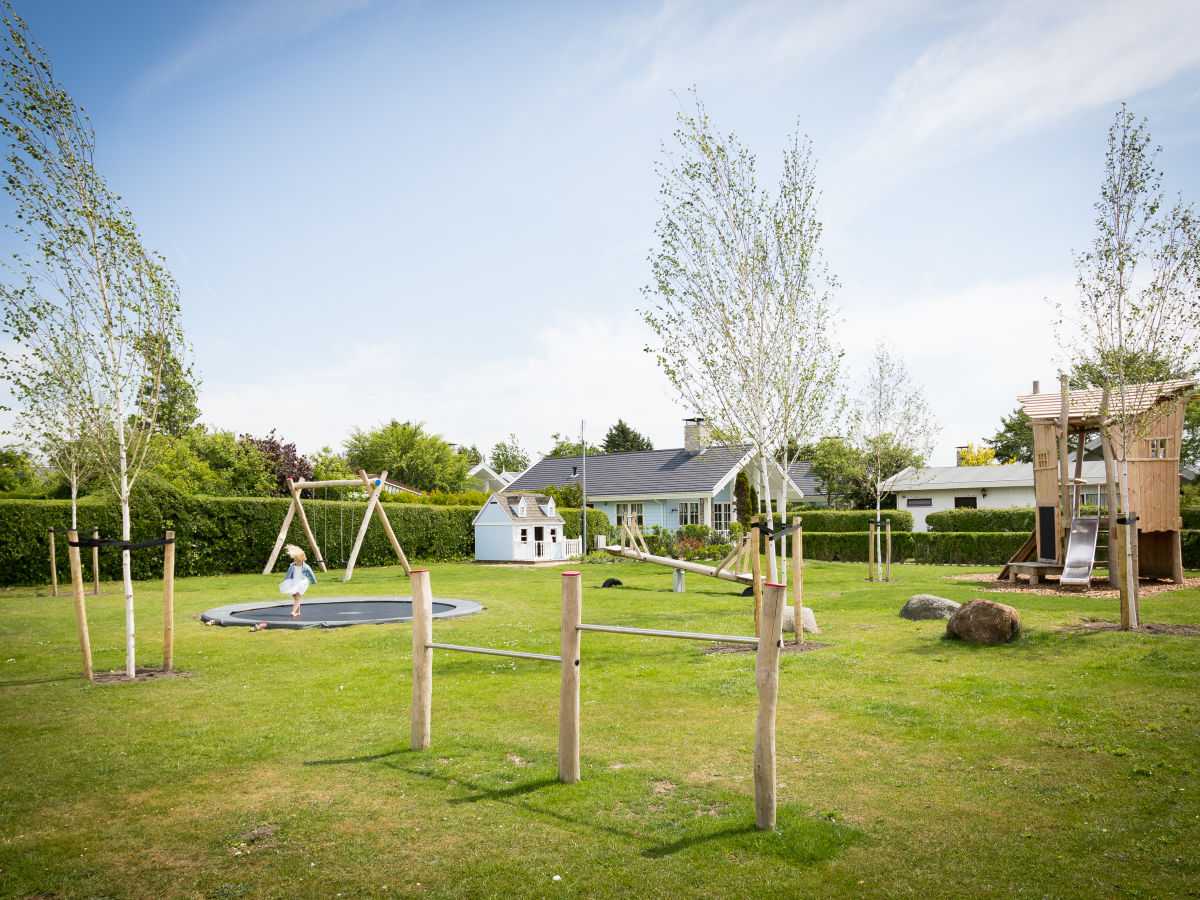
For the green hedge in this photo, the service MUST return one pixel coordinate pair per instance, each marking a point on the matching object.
(598, 523)
(932, 548)
(230, 535)
(1191, 517)
(1014, 518)
(845, 520)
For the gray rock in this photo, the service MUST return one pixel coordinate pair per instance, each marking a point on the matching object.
(985, 622)
(927, 606)
(807, 619)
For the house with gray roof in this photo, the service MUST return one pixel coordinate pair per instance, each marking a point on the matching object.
(689, 485)
(521, 528)
(926, 490)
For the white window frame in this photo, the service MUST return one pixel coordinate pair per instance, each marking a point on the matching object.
(637, 510)
(722, 516)
(694, 515)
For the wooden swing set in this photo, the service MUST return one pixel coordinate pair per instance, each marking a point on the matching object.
(374, 485)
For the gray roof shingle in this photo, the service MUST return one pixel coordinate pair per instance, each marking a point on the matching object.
(674, 472)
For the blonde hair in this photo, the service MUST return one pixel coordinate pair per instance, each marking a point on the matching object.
(295, 553)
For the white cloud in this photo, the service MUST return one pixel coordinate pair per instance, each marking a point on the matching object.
(529, 384)
(973, 349)
(237, 25)
(1027, 66)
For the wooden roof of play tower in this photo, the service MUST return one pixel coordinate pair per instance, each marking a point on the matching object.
(1083, 407)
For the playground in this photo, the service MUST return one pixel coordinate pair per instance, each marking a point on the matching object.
(282, 763)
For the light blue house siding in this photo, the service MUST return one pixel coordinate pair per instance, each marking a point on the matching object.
(664, 511)
(493, 534)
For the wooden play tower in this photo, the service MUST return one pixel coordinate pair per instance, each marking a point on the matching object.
(1152, 462)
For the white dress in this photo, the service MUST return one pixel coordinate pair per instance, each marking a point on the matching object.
(297, 584)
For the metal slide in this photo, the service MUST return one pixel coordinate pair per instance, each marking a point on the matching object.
(1081, 551)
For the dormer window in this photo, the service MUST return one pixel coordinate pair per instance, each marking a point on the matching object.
(521, 509)
(550, 508)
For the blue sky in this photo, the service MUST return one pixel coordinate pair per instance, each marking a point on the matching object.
(442, 212)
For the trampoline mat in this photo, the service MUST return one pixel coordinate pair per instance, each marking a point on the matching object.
(333, 612)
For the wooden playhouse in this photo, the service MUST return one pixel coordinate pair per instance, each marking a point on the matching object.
(1153, 473)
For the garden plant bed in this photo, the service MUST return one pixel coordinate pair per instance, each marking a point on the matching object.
(908, 764)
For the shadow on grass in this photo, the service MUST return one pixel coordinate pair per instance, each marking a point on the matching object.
(677, 821)
(375, 757)
(4, 684)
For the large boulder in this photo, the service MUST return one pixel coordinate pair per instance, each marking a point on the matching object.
(807, 620)
(927, 606)
(984, 622)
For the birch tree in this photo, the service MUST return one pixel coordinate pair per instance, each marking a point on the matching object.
(87, 304)
(891, 427)
(740, 303)
(1138, 297)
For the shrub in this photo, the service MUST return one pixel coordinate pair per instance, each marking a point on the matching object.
(845, 520)
(1015, 518)
(1191, 517)
(931, 548)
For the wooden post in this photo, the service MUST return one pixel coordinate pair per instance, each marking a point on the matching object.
(362, 530)
(568, 698)
(287, 523)
(1077, 499)
(312, 541)
(53, 567)
(871, 552)
(798, 577)
(169, 602)
(888, 571)
(85, 643)
(387, 525)
(422, 634)
(1177, 557)
(766, 677)
(96, 563)
(756, 574)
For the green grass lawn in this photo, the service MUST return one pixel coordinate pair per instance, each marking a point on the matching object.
(909, 765)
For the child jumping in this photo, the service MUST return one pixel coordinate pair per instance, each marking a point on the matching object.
(298, 577)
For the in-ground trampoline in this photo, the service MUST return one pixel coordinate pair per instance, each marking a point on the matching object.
(333, 612)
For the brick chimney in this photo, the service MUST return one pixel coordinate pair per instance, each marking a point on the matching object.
(696, 434)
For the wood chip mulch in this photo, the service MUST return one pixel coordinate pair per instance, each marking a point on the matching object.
(1145, 628)
(144, 673)
(1101, 587)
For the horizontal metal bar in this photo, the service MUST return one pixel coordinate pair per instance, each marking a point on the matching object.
(487, 651)
(686, 635)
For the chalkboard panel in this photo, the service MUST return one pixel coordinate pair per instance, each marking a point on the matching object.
(1047, 540)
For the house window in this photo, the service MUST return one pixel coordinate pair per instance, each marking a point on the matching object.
(1158, 448)
(630, 509)
(966, 503)
(689, 512)
(721, 515)
(918, 501)
(524, 535)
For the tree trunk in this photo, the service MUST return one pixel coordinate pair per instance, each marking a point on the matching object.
(74, 496)
(878, 533)
(765, 493)
(1110, 481)
(126, 569)
(1130, 540)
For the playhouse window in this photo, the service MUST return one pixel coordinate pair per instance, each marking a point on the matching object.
(1158, 448)
(1043, 459)
(554, 535)
(524, 535)
(689, 512)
